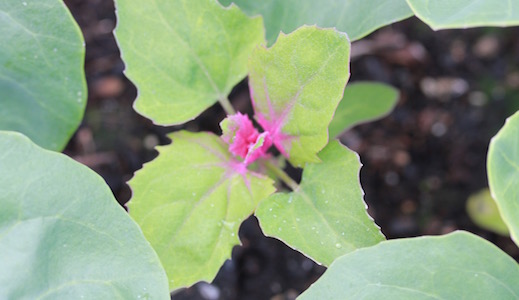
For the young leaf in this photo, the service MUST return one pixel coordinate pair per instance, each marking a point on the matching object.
(42, 82)
(445, 14)
(296, 86)
(455, 266)
(362, 102)
(184, 55)
(326, 217)
(358, 18)
(63, 235)
(483, 211)
(503, 173)
(190, 202)
(244, 139)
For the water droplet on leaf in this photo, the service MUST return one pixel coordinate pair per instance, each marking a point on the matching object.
(229, 225)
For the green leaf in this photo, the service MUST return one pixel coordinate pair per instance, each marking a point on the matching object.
(63, 235)
(503, 173)
(190, 202)
(42, 82)
(184, 55)
(296, 86)
(445, 14)
(482, 209)
(362, 102)
(357, 18)
(456, 266)
(326, 217)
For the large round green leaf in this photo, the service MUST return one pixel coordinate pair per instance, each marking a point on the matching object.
(326, 216)
(362, 102)
(357, 18)
(456, 266)
(42, 83)
(296, 86)
(184, 55)
(190, 202)
(63, 235)
(503, 173)
(444, 14)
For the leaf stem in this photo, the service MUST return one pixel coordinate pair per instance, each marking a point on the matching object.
(282, 175)
(227, 106)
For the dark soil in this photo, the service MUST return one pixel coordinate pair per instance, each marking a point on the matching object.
(420, 163)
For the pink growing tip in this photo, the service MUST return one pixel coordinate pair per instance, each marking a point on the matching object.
(244, 140)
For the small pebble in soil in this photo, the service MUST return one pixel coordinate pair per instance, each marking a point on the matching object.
(208, 291)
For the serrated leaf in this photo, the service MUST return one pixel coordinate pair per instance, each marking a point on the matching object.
(63, 235)
(362, 102)
(326, 217)
(183, 55)
(296, 86)
(483, 211)
(190, 202)
(455, 266)
(357, 18)
(503, 173)
(42, 82)
(445, 14)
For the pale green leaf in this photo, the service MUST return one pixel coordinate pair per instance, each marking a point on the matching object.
(190, 202)
(482, 209)
(357, 18)
(42, 82)
(296, 86)
(445, 14)
(362, 102)
(63, 235)
(456, 266)
(503, 173)
(183, 55)
(326, 217)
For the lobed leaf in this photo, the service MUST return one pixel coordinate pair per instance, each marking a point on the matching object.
(455, 266)
(183, 55)
(326, 217)
(63, 235)
(503, 173)
(296, 86)
(42, 82)
(190, 202)
(445, 14)
(362, 102)
(357, 18)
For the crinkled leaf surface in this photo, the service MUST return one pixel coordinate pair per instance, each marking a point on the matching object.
(42, 82)
(362, 102)
(183, 55)
(296, 86)
(327, 216)
(503, 173)
(357, 18)
(63, 235)
(190, 202)
(456, 266)
(483, 211)
(444, 14)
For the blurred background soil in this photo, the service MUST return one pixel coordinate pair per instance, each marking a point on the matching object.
(421, 162)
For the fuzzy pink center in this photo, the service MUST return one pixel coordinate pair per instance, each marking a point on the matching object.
(244, 140)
